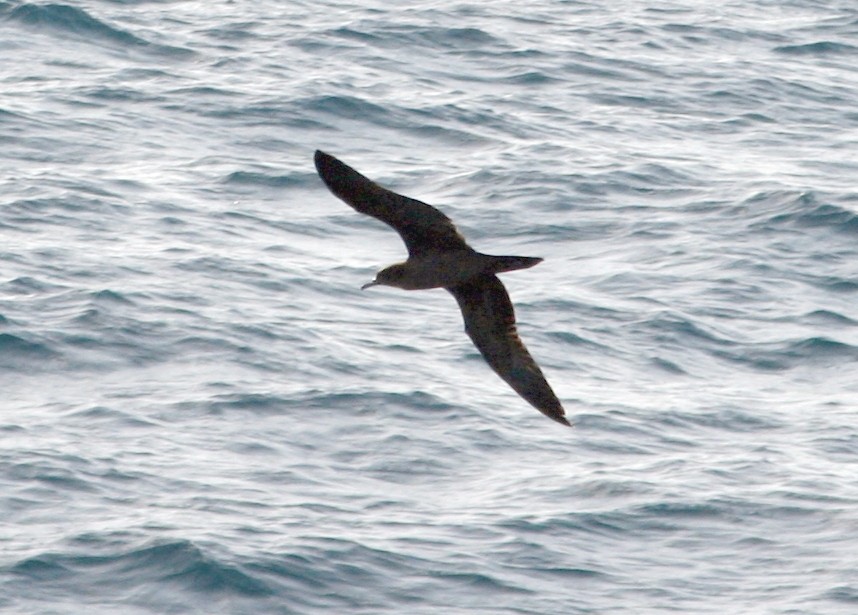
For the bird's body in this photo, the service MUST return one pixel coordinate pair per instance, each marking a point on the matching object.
(439, 257)
(446, 269)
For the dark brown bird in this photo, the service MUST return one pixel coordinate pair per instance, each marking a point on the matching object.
(439, 257)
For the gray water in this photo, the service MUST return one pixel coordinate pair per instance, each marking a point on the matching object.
(202, 413)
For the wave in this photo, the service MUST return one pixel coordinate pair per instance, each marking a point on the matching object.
(22, 352)
(179, 563)
(271, 180)
(802, 209)
(820, 48)
(817, 350)
(70, 21)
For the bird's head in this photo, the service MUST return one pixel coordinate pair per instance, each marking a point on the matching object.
(394, 275)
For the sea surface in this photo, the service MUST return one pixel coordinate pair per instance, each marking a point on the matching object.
(201, 412)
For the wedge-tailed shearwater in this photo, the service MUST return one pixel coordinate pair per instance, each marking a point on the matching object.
(439, 257)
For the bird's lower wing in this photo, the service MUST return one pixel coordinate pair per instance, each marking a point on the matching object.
(490, 323)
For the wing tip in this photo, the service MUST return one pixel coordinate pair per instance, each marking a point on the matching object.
(342, 180)
(558, 415)
(323, 162)
(563, 421)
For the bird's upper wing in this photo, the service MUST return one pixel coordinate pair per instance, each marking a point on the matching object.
(422, 227)
(490, 323)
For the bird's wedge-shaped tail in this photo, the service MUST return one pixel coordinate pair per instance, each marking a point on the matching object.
(438, 256)
(502, 264)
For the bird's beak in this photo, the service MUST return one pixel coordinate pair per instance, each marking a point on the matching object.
(368, 284)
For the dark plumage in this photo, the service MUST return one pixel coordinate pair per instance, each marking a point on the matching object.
(439, 257)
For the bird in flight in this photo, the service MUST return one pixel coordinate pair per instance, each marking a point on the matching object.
(439, 257)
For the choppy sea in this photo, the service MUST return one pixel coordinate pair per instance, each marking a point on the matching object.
(200, 412)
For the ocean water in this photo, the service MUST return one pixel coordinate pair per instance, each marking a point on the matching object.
(200, 412)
